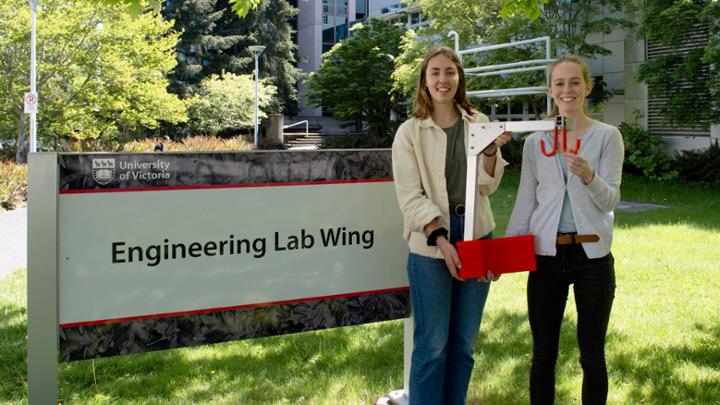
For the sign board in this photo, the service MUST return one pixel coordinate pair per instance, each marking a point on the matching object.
(158, 251)
(31, 102)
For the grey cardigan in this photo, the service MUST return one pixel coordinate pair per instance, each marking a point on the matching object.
(542, 189)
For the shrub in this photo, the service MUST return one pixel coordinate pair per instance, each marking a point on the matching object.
(7, 151)
(227, 102)
(103, 144)
(193, 143)
(142, 145)
(702, 166)
(211, 143)
(644, 155)
(13, 185)
(512, 151)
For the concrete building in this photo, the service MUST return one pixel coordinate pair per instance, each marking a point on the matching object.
(321, 24)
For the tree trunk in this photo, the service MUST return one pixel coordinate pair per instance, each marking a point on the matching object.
(21, 148)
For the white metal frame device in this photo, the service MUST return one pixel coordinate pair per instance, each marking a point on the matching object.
(480, 137)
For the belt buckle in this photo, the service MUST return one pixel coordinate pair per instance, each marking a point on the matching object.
(562, 239)
(460, 209)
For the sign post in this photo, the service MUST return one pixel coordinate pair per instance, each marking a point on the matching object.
(42, 280)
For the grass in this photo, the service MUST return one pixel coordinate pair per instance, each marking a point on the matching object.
(663, 344)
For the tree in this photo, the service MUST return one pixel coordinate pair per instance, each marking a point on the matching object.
(687, 78)
(136, 7)
(215, 40)
(569, 24)
(199, 45)
(101, 72)
(268, 24)
(227, 102)
(353, 81)
(531, 9)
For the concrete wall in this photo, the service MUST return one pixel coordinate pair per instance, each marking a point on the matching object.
(309, 36)
(636, 94)
(613, 69)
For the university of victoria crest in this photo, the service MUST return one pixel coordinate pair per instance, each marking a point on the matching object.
(103, 170)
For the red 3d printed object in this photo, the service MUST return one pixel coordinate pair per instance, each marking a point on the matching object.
(503, 255)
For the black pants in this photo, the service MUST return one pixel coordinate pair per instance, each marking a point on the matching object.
(594, 286)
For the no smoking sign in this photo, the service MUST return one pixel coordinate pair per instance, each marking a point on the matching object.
(31, 102)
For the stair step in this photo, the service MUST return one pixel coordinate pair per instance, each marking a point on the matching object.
(306, 141)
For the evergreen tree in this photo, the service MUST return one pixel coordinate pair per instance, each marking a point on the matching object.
(268, 25)
(215, 40)
(200, 43)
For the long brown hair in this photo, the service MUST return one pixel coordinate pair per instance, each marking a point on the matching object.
(585, 75)
(423, 106)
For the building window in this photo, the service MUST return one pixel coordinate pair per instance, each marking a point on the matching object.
(335, 22)
(415, 18)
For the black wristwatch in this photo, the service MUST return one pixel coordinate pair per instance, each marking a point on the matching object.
(432, 238)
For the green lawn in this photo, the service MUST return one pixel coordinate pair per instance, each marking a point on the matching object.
(663, 344)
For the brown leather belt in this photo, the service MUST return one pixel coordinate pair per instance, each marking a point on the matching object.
(458, 209)
(573, 238)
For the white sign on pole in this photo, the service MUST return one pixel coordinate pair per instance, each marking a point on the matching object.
(31, 102)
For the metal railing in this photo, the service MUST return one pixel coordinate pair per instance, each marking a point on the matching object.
(507, 68)
(307, 126)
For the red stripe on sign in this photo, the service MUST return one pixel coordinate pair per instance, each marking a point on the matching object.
(171, 188)
(232, 308)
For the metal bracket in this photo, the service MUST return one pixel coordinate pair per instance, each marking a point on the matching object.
(480, 137)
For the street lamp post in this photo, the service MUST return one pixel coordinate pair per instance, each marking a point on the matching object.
(256, 51)
(33, 124)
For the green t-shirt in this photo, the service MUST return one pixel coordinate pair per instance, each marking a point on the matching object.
(455, 162)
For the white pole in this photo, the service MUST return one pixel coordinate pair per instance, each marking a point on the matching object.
(256, 50)
(33, 125)
(505, 45)
(257, 73)
(548, 104)
(457, 43)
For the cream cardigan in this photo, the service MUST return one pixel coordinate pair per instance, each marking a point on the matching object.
(418, 158)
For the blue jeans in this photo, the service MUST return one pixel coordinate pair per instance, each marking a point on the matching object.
(447, 316)
(547, 292)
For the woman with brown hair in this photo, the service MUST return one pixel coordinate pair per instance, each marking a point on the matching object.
(429, 167)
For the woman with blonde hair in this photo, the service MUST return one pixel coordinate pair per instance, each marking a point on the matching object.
(566, 200)
(429, 168)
